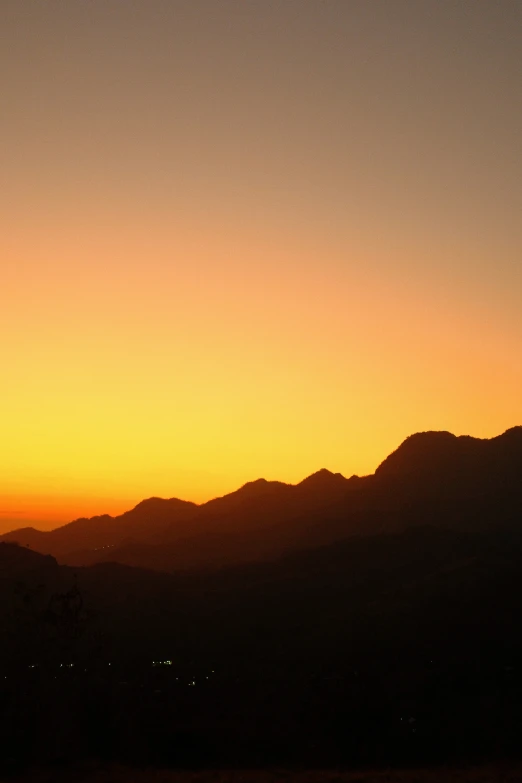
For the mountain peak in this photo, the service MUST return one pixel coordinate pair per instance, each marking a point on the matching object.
(156, 505)
(256, 484)
(257, 487)
(513, 433)
(419, 451)
(322, 478)
(439, 451)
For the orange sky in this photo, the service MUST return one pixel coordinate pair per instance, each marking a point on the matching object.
(251, 239)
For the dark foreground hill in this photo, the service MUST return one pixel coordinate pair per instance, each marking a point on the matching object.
(433, 478)
(403, 647)
(110, 773)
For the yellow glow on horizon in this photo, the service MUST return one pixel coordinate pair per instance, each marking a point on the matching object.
(189, 374)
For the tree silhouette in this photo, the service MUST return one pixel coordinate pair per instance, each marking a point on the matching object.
(64, 613)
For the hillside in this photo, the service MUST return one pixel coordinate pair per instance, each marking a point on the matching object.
(389, 648)
(433, 478)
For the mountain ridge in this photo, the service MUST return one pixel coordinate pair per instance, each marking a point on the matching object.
(431, 475)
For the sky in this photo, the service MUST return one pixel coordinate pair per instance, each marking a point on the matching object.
(245, 238)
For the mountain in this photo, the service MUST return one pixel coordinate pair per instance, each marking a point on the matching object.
(433, 478)
(147, 519)
(15, 560)
(474, 479)
(338, 622)
(443, 457)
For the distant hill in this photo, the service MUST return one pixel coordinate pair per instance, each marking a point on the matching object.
(16, 559)
(433, 478)
(146, 520)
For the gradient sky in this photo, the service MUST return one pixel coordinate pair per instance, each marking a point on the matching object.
(244, 238)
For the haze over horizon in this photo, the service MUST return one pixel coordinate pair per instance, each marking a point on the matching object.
(251, 239)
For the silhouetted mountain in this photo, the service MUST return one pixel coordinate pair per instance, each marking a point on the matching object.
(146, 520)
(156, 511)
(324, 480)
(433, 478)
(437, 456)
(16, 560)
